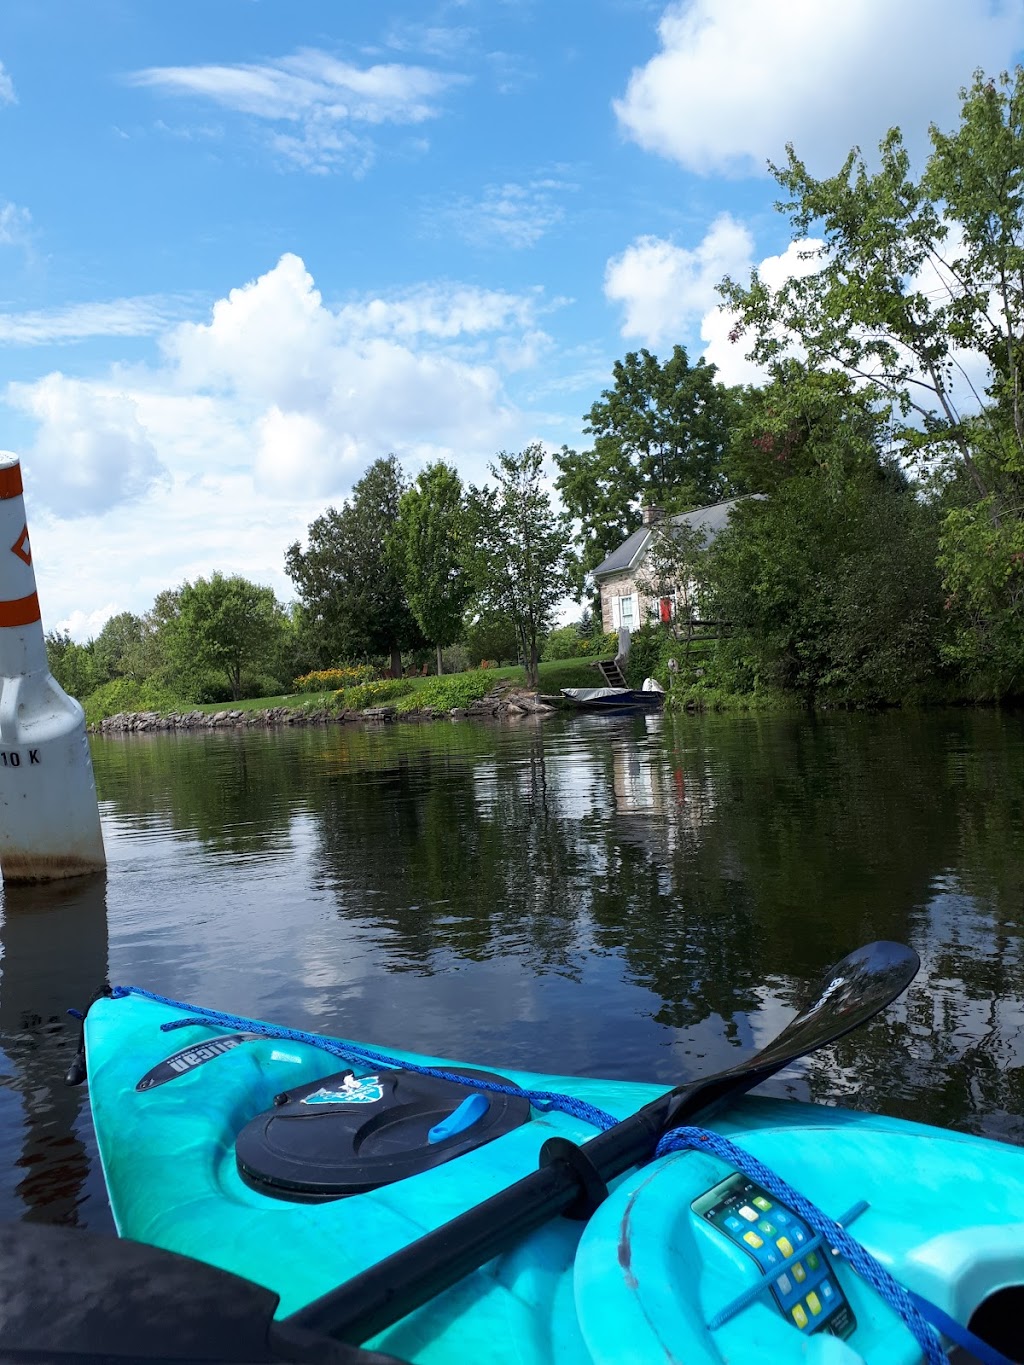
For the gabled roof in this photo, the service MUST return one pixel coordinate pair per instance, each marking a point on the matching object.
(710, 520)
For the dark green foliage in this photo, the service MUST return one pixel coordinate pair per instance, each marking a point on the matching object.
(918, 290)
(119, 649)
(350, 576)
(660, 436)
(521, 550)
(804, 422)
(73, 665)
(832, 595)
(442, 694)
(983, 568)
(650, 649)
(225, 626)
(431, 537)
(492, 636)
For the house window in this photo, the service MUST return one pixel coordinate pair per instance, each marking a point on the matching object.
(665, 609)
(626, 616)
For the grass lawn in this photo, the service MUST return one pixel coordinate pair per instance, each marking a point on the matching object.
(554, 675)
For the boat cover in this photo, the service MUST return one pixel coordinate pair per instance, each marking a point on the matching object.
(588, 694)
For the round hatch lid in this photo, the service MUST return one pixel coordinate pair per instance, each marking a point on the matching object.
(347, 1134)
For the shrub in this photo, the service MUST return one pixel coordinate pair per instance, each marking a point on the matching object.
(563, 643)
(126, 695)
(650, 649)
(441, 694)
(601, 646)
(330, 679)
(567, 643)
(367, 694)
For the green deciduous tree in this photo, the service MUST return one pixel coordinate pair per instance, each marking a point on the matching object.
(493, 636)
(227, 625)
(350, 576)
(918, 292)
(829, 592)
(431, 535)
(72, 664)
(119, 649)
(660, 435)
(804, 423)
(521, 549)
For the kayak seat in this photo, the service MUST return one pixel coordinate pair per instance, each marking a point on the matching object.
(344, 1134)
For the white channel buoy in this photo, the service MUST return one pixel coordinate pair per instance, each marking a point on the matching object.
(49, 815)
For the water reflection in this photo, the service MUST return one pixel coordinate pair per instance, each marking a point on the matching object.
(622, 896)
(54, 941)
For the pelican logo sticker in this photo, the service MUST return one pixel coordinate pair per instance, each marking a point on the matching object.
(828, 992)
(352, 1090)
(190, 1057)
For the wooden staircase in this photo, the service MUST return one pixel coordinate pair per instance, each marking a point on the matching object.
(611, 673)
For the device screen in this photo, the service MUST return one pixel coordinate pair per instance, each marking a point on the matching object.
(806, 1289)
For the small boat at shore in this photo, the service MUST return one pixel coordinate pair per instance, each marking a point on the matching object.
(613, 698)
(330, 1202)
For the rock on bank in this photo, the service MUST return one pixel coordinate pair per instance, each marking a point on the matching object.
(501, 704)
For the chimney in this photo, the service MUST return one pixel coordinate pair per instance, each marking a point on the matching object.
(651, 515)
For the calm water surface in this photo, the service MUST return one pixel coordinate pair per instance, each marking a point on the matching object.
(627, 897)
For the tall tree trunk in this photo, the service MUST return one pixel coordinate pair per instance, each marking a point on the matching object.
(440, 668)
(532, 668)
(396, 663)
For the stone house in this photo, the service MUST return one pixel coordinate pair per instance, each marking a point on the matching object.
(624, 605)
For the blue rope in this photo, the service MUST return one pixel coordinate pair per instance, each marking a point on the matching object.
(866, 1266)
(543, 1100)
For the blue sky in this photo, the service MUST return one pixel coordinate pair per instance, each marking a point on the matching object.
(248, 246)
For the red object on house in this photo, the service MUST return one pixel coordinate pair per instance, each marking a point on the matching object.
(665, 609)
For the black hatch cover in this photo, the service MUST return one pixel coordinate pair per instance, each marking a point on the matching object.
(344, 1134)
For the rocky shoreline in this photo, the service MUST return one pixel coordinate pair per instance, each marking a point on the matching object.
(503, 703)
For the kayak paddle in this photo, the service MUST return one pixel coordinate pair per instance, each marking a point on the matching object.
(574, 1179)
(122, 1300)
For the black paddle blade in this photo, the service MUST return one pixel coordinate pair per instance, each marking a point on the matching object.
(70, 1296)
(848, 995)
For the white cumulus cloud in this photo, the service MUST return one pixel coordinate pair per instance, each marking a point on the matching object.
(222, 452)
(92, 452)
(735, 80)
(664, 289)
(7, 95)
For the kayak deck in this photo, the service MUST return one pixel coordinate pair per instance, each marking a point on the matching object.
(169, 1162)
(639, 1282)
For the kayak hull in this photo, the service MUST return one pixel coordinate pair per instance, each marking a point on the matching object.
(637, 1283)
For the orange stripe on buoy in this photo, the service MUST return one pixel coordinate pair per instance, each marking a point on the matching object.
(10, 482)
(21, 611)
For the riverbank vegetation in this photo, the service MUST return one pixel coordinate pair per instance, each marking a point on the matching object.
(880, 562)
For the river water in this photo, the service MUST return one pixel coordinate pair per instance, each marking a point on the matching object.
(629, 897)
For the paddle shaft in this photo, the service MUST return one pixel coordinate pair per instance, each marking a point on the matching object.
(849, 994)
(404, 1281)
(386, 1292)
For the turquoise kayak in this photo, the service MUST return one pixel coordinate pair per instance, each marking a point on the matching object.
(269, 1158)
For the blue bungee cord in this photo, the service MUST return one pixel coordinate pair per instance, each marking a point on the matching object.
(920, 1316)
(543, 1100)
